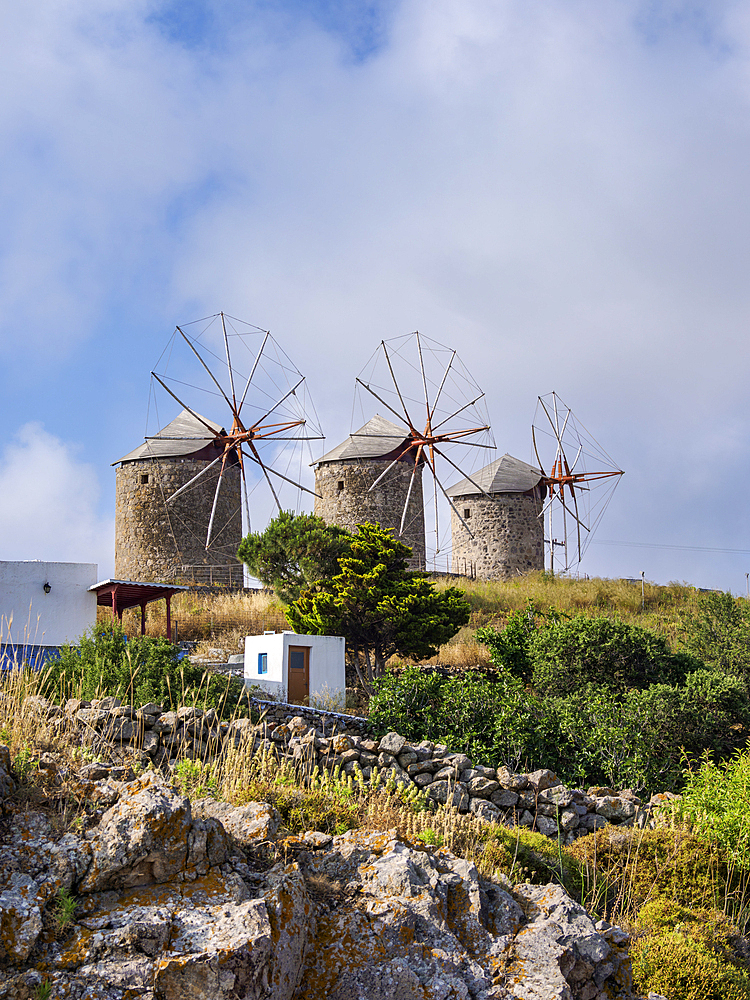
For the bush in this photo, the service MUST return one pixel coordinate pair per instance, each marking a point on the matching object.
(509, 648)
(626, 867)
(559, 654)
(719, 633)
(489, 719)
(407, 702)
(567, 653)
(716, 803)
(685, 954)
(138, 670)
(637, 739)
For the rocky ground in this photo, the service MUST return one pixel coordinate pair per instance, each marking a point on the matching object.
(159, 898)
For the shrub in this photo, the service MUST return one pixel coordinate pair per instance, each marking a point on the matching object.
(625, 868)
(408, 702)
(489, 719)
(685, 954)
(509, 648)
(718, 632)
(138, 670)
(716, 803)
(570, 652)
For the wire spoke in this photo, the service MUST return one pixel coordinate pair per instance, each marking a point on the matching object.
(210, 373)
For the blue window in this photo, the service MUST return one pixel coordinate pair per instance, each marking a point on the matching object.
(262, 663)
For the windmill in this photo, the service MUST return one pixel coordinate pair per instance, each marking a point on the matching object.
(439, 415)
(195, 474)
(580, 483)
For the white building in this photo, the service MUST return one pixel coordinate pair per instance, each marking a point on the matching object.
(43, 605)
(297, 668)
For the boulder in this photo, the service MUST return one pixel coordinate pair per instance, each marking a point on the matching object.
(392, 743)
(7, 784)
(542, 779)
(449, 791)
(483, 787)
(21, 905)
(245, 825)
(614, 808)
(147, 836)
(511, 780)
(557, 795)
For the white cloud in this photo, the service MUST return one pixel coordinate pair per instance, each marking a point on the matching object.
(556, 188)
(48, 503)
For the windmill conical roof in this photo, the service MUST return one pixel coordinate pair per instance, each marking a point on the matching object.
(377, 438)
(182, 436)
(504, 475)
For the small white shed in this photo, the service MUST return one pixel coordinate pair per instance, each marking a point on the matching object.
(296, 668)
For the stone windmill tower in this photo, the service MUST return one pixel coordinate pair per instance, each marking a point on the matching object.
(349, 494)
(156, 540)
(496, 523)
(182, 495)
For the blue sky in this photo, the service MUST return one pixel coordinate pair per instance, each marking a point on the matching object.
(557, 189)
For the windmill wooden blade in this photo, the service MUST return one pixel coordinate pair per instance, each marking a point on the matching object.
(230, 367)
(405, 377)
(213, 509)
(571, 484)
(207, 369)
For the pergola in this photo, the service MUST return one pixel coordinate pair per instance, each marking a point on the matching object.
(119, 595)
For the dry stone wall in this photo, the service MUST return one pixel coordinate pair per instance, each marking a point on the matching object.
(153, 540)
(310, 738)
(345, 499)
(508, 536)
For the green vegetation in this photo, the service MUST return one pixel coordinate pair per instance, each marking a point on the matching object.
(195, 779)
(599, 701)
(24, 764)
(718, 632)
(139, 670)
(295, 553)
(716, 803)
(65, 908)
(379, 605)
(581, 680)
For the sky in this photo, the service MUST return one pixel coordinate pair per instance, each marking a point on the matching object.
(557, 189)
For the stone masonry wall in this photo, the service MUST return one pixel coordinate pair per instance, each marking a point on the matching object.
(154, 540)
(508, 536)
(347, 501)
(327, 740)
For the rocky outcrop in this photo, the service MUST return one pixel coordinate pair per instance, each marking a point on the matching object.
(174, 903)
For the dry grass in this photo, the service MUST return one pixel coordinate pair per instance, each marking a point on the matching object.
(218, 623)
(492, 598)
(214, 620)
(491, 601)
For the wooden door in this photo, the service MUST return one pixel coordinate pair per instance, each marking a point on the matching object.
(298, 674)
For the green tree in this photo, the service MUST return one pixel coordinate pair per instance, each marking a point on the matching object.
(379, 605)
(294, 553)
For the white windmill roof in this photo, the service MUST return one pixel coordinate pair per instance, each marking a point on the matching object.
(184, 435)
(504, 475)
(378, 437)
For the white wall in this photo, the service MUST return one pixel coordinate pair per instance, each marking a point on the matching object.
(327, 667)
(28, 616)
(274, 682)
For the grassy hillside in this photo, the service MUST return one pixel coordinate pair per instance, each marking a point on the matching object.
(220, 621)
